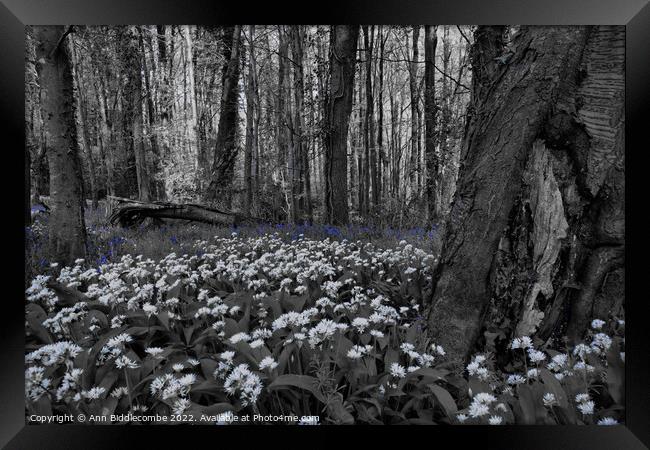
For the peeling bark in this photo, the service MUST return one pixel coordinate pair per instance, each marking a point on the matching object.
(537, 222)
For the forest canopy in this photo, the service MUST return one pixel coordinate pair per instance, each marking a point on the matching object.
(236, 117)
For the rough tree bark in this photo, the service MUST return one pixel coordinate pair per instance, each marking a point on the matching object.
(54, 65)
(338, 105)
(225, 151)
(535, 237)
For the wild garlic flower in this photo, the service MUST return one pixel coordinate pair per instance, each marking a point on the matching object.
(536, 356)
(515, 379)
(484, 397)
(495, 420)
(397, 370)
(93, 393)
(523, 342)
(123, 361)
(247, 383)
(597, 324)
(35, 383)
(180, 406)
(154, 351)
(359, 351)
(239, 337)
(607, 421)
(268, 363)
(601, 343)
(256, 343)
(360, 323)
(549, 399)
(478, 409)
(56, 353)
(119, 392)
(586, 408)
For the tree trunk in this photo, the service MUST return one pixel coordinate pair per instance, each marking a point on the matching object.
(343, 45)
(301, 145)
(250, 121)
(381, 169)
(84, 125)
(67, 225)
(157, 184)
(413, 89)
(132, 212)
(225, 151)
(133, 65)
(537, 221)
(370, 160)
(430, 132)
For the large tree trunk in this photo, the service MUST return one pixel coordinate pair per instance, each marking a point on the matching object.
(67, 225)
(431, 158)
(225, 151)
(343, 46)
(537, 221)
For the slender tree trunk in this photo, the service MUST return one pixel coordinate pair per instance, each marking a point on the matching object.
(430, 131)
(84, 125)
(250, 121)
(152, 116)
(343, 45)
(380, 125)
(67, 225)
(301, 145)
(133, 63)
(369, 132)
(539, 203)
(413, 89)
(225, 151)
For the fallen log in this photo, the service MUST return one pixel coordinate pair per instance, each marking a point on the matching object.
(128, 213)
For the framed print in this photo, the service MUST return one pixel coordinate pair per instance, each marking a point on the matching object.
(240, 215)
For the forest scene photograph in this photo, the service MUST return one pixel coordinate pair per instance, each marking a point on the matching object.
(325, 224)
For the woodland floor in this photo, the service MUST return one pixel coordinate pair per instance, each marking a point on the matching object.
(322, 324)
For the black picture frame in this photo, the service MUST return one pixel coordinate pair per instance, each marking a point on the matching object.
(14, 14)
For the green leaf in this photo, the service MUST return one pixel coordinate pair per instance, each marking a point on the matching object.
(35, 322)
(428, 372)
(293, 302)
(301, 381)
(527, 404)
(338, 413)
(445, 399)
(615, 374)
